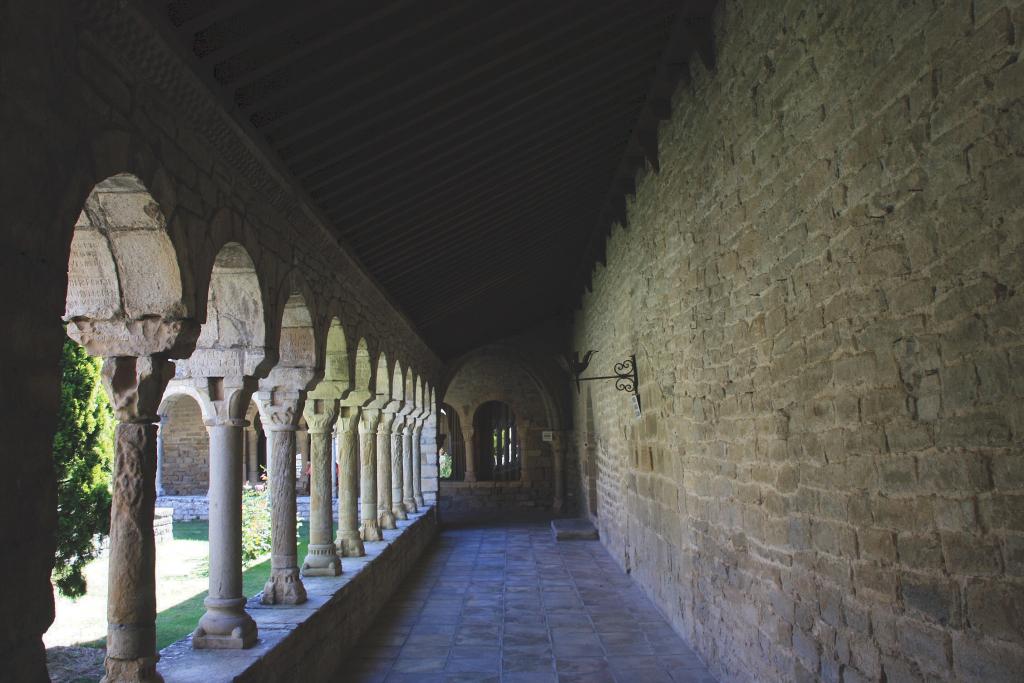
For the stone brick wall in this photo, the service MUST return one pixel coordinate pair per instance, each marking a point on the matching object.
(186, 465)
(824, 287)
(464, 501)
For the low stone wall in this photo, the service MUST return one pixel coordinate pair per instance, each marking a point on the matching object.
(465, 501)
(163, 524)
(189, 508)
(309, 642)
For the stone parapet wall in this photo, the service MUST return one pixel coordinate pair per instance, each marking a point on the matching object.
(463, 501)
(310, 642)
(824, 289)
(189, 508)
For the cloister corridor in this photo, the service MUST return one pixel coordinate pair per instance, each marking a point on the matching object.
(507, 603)
(360, 296)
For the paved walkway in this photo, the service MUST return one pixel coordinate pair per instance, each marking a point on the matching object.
(509, 604)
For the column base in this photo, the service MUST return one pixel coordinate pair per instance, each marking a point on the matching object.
(386, 519)
(140, 670)
(225, 626)
(398, 510)
(557, 505)
(284, 587)
(410, 506)
(370, 530)
(322, 560)
(469, 476)
(350, 545)
(419, 500)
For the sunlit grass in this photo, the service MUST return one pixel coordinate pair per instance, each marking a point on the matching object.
(181, 585)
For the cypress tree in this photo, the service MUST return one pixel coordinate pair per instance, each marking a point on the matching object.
(83, 449)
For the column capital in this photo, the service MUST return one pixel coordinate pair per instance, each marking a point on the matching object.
(280, 410)
(320, 414)
(348, 419)
(368, 419)
(135, 386)
(387, 420)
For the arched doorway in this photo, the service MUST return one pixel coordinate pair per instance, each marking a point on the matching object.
(497, 448)
(451, 447)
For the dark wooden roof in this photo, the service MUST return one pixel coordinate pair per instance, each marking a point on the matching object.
(472, 155)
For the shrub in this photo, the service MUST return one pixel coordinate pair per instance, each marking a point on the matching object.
(255, 523)
(445, 466)
(83, 450)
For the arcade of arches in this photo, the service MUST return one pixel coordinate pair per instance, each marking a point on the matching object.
(334, 245)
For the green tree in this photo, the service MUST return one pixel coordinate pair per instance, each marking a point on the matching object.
(83, 450)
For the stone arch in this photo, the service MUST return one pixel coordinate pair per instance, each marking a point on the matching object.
(125, 292)
(233, 340)
(382, 378)
(300, 345)
(398, 383)
(184, 451)
(449, 428)
(362, 377)
(338, 372)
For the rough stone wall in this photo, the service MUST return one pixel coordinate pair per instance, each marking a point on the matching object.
(824, 287)
(464, 501)
(90, 91)
(186, 466)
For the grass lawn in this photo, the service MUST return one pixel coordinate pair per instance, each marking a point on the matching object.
(181, 583)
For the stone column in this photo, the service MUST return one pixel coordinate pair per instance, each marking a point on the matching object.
(252, 448)
(467, 440)
(558, 475)
(384, 503)
(226, 625)
(417, 464)
(135, 387)
(279, 411)
(397, 467)
(322, 558)
(369, 524)
(334, 461)
(349, 542)
(408, 502)
(160, 455)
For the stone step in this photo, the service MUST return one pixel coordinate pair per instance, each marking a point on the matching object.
(573, 530)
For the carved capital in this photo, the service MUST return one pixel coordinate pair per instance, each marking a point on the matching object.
(135, 385)
(368, 420)
(348, 420)
(145, 337)
(320, 415)
(385, 423)
(280, 410)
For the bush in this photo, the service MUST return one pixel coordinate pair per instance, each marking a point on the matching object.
(445, 466)
(255, 523)
(83, 450)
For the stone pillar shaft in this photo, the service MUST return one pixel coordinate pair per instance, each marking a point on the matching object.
(559, 477)
(398, 469)
(322, 559)
(349, 542)
(467, 439)
(253, 453)
(225, 625)
(384, 503)
(284, 587)
(134, 386)
(370, 526)
(417, 465)
(408, 502)
(160, 455)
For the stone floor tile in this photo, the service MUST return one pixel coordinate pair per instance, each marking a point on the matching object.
(512, 601)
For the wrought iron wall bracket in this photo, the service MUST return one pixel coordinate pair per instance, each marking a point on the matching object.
(625, 377)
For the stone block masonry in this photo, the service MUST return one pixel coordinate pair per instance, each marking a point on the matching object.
(824, 288)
